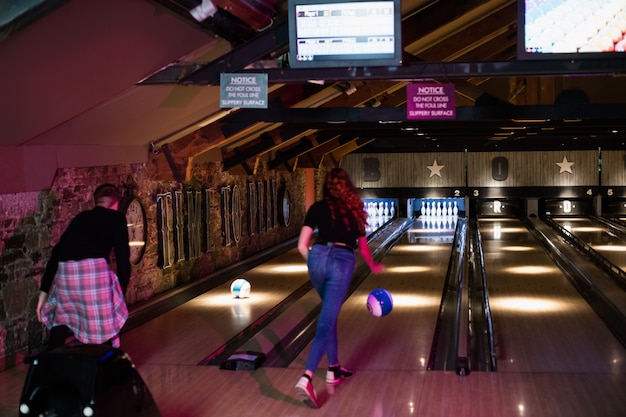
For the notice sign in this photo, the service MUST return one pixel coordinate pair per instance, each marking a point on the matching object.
(243, 90)
(430, 101)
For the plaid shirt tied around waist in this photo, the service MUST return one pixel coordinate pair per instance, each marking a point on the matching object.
(86, 297)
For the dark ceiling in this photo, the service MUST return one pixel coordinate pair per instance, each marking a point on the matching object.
(502, 103)
(479, 56)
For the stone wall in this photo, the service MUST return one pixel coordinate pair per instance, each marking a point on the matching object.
(25, 235)
(31, 223)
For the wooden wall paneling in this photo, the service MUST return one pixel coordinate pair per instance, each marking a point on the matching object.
(412, 170)
(584, 167)
(614, 168)
(479, 170)
(535, 169)
(452, 173)
(525, 169)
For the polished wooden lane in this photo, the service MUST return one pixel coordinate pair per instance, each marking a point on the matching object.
(389, 354)
(194, 391)
(541, 323)
(189, 333)
(607, 244)
(415, 277)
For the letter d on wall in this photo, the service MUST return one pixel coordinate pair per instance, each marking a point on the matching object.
(371, 169)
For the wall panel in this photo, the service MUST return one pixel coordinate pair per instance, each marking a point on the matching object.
(535, 169)
(399, 170)
(614, 168)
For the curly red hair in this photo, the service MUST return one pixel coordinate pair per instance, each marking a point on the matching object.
(343, 198)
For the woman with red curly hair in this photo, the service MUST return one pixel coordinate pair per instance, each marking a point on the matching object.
(340, 219)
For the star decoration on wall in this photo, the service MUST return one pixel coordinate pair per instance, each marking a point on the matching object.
(435, 169)
(565, 166)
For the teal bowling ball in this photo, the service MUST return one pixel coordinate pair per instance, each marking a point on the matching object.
(240, 288)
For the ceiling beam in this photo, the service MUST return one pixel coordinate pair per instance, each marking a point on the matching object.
(327, 115)
(416, 71)
(240, 155)
(413, 71)
(459, 46)
(337, 154)
(271, 42)
(304, 149)
(431, 18)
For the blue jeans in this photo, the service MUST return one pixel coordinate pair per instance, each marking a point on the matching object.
(330, 271)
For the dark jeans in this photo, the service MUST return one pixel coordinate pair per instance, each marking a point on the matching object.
(330, 271)
(58, 335)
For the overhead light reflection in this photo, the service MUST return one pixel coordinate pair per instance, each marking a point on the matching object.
(532, 305)
(407, 269)
(512, 230)
(498, 230)
(517, 248)
(587, 229)
(282, 269)
(421, 248)
(530, 269)
(610, 248)
(414, 301)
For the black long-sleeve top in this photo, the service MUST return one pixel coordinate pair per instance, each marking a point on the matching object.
(92, 234)
(319, 216)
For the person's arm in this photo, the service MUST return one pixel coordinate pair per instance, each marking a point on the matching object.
(51, 269)
(43, 297)
(304, 240)
(48, 276)
(364, 249)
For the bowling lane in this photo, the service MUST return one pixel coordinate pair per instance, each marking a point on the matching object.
(541, 323)
(599, 238)
(415, 275)
(189, 333)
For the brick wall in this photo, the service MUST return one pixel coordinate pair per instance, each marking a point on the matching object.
(31, 223)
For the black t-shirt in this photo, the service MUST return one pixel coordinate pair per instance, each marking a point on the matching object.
(319, 217)
(91, 235)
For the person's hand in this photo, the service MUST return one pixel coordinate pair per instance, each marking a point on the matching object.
(43, 297)
(378, 268)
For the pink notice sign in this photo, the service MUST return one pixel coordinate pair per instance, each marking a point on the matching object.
(428, 101)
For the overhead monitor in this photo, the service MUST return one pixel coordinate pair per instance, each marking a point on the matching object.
(342, 33)
(561, 29)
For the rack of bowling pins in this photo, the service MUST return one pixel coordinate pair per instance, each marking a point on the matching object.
(379, 211)
(438, 207)
(439, 216)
